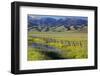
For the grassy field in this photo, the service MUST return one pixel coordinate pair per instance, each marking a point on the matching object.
(57, 45)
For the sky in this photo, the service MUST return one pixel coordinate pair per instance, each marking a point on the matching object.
(57, 17)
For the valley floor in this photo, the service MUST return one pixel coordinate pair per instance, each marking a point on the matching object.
(57, 45)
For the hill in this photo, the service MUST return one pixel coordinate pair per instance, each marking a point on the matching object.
(58, 24)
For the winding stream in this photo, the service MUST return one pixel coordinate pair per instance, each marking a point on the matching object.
(49, 51)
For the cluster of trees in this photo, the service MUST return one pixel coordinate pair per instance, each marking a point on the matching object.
(81, 43)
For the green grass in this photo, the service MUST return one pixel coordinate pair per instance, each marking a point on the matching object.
(73, 45)
(35, 54)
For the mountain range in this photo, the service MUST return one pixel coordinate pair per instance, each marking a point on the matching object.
(59, 24)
